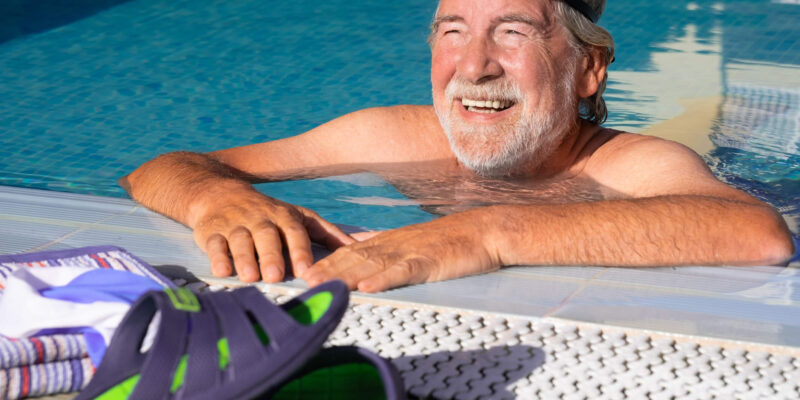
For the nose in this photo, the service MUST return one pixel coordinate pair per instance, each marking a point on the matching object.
(477, 63)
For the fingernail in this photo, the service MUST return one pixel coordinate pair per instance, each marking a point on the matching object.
(273, 274)
(300, 268)
(250, 274)
(312, 279)
(218, 269)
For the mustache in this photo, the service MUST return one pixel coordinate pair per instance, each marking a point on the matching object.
(494, 89)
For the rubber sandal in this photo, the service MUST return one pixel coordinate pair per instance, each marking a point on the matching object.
(222, 345)
(346, 372)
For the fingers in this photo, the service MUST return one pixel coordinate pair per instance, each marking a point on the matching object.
(362, 236)
(217, 249)
(406, 272)
(338, 265)
(268, 244)
(241, 246)
(370, 269)
(368, 276)
(299, 246)
(322, 231)
(245, 246)
(254, 240)
(350, 271)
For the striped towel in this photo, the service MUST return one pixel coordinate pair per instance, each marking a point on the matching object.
(42, 365)
(45, 378)
(59, 363)
(41, 349)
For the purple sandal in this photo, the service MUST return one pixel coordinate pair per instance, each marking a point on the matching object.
(345, 372)
(223, 345)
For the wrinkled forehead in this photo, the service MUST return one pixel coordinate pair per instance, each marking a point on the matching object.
(477, 10)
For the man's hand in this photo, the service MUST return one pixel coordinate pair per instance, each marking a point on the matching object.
(446, 248)
(254, 229)
(229, 217)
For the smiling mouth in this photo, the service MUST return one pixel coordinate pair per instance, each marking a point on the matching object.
(486, 106)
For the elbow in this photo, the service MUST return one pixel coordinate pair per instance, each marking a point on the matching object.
(155, 170)
(773, 242)
(777, 250)
(125, 183)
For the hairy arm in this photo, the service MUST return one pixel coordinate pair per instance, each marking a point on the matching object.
(177, 184)
(180, 184)
(212, 193)
(676, 213)
(229, 217)
(654, 231)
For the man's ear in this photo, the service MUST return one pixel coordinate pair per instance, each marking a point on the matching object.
(591, 71)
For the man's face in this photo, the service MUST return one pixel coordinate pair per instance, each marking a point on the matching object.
(503, 82)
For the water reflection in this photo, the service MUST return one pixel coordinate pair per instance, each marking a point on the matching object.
(443, 191)
(21, 17)
(723, 80)
(422, 190)
(92, 102)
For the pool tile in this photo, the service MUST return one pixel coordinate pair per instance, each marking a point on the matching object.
(757, 303)
(155, 249)
(24, 236)
(706, 280)
(40, 205)
(574, 273)
(517, 294)
(143, 219)
(735, 316)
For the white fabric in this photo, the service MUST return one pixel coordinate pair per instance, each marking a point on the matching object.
(24, 311)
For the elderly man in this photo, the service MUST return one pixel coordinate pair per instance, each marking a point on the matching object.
(517, 103)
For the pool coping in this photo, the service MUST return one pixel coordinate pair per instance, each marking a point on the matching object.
(759, 306)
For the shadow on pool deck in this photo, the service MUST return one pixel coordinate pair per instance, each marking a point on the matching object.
(487, 373)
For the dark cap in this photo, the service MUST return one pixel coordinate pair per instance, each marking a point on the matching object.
(584, 9)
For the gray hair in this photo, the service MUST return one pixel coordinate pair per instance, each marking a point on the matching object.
(585, 35)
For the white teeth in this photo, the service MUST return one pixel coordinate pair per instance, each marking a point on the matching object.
(496, 104)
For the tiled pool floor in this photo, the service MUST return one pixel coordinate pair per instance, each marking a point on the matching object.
(752, 304)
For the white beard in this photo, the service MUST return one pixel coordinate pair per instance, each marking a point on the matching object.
(507, 147)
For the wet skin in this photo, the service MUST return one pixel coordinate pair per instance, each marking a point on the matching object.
(442, 191)
(600, 198)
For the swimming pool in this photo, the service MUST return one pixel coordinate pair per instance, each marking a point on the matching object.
(90, 91)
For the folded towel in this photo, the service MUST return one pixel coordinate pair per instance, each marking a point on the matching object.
(45, 378)
(46, 298)
(91, 301)
(41, 349)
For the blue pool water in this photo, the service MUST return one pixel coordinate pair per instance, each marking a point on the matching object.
(91, 89)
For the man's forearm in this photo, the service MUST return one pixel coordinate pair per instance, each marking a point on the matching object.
(175, 184)
(669, 230)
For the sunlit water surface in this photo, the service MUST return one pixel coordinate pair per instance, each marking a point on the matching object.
(90, 90)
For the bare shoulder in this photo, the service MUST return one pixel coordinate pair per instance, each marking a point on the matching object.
(388, 134)
(406, 113)
(643, 166)
(625, 150)
(404, 122)
(369, 136)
